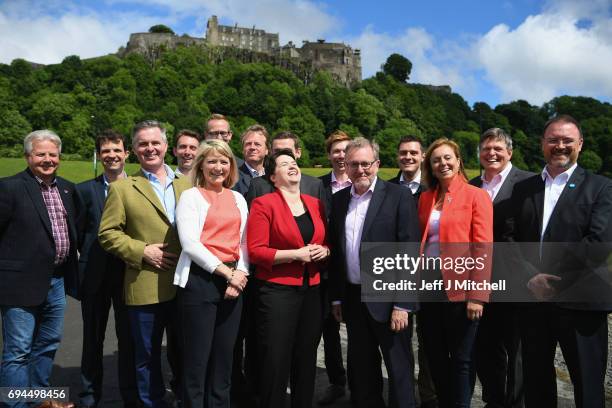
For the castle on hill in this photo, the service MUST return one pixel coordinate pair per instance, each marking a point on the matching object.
(256, 45)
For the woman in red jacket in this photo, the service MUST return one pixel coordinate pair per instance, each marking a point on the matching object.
(286, 242)
(457, 223)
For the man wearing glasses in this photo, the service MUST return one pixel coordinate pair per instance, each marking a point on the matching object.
(218, 128)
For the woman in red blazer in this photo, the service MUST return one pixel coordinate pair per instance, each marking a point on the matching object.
(286, 242)
(457, 223)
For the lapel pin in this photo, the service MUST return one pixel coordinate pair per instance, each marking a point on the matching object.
(572, 185)
(65, 191)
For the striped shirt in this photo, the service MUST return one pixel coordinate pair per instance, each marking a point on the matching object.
(58, 217)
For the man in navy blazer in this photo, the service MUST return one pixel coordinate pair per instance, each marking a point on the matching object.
(410, 156)
(38, 262)
(254, 149)
(562, 217)
(371, 210)
(497, 352)
(102, 282)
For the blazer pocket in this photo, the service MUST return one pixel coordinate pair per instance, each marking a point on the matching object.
(10, 265)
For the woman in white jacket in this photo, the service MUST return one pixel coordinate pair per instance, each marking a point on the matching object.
(211, 274)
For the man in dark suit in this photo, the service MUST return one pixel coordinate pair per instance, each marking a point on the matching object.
(371, 210)
(38, 262)
(410, 156)
(498, 360)
(308, 185)
(102, 275)
(334, 181)
(563, 217)
(254, 149)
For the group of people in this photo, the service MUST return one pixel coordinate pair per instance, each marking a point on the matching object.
(246, 264)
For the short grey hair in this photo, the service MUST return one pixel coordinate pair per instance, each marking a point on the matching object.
(361, 142)
(147, 124)
(496, 134)
(39, 135)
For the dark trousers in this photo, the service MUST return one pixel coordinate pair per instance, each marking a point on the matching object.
(95, 308)
(583, 337)
(367, 338)
(288, 332)
(427, 390)
(173, 351)
(498, 356)
(147, 324)
(244, 369)
(449, 338)
(209, 324)
(331, 341)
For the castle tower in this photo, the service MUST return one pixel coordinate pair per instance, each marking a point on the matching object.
(212, 31)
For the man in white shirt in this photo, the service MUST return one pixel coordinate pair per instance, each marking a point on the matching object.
(371, 210)
(254, 150)
(562, 217)
(187, 143)
(410, 156)
(498, 360)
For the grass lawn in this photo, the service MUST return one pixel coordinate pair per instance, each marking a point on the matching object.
(77, 171)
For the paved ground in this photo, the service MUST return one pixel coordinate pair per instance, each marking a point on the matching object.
(66, 369)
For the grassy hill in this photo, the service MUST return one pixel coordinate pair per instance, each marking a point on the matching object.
(77, 171)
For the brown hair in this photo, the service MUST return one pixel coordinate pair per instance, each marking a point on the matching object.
(189, 133)
(562, 119)
(110, 135)
(428, 177)
(335, 137)
(256, 128)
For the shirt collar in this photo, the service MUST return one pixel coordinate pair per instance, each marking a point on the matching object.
(150, 176)
(565, 175)
(253, 171)
(501, 175)
(354, 193)
(335, 180)
(42, 183)
(416, 179)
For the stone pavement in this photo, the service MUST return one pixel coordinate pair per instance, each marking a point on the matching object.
(67, 363)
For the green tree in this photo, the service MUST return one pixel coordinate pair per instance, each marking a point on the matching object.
(398, 67)
(590, 161)
(389, 137)
(161, 28)
(13, 127)
(468, 142)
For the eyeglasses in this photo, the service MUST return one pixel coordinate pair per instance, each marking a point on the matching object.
(218, 133)
(364, 164)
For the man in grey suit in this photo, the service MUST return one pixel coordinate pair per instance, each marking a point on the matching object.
(308, 185)
(498, 354)
(103, 282)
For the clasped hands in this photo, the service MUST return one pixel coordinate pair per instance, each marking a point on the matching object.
(311, 253)
(236, 282)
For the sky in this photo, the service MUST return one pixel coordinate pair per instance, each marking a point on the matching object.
(490, 51)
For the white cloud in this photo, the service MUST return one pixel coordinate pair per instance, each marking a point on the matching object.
(549, 55)
(294, 20)
(36, 34)
(432, 62)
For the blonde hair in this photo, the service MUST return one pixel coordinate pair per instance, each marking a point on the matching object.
(428, 177)
(217, 146)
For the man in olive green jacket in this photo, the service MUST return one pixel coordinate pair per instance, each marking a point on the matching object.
(138, 226)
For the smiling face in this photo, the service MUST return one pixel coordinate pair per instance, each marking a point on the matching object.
(494, 156)
(561, 146)
(409, 158)
(150, 148)
(113, 155)
(286, 173)
(185, 151)
(444, 164)
(215, 168)
(337, 155)
(44, 159)
(362, 168)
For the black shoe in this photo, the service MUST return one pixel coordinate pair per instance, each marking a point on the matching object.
(331, 394)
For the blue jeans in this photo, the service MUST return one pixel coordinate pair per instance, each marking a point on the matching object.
(147, 324)
(31, 336)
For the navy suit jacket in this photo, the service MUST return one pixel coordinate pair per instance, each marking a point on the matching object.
(94, 263)
(422, 187)
(391, 217)
(581, 228)
(244, 180)
(27, 247)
